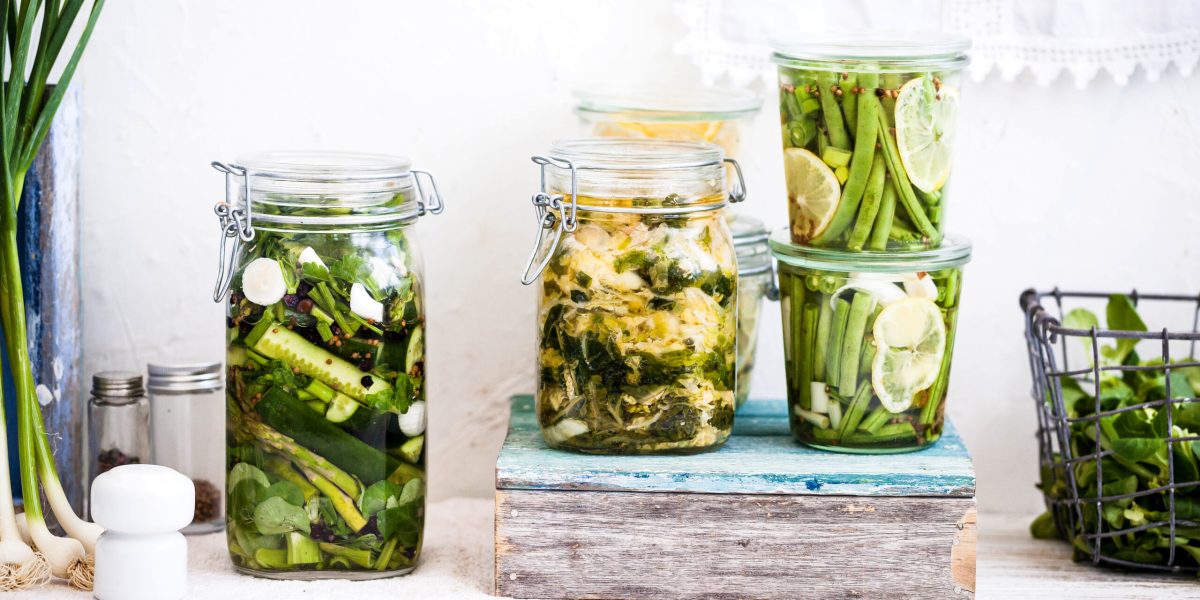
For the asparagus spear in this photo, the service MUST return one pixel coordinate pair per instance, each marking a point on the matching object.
(808, 329)
(860, 166)
(830, 110)
(856, 324)
(342, 502)
(883, 221)
(841, 312)
(908, 198)
(870, 204)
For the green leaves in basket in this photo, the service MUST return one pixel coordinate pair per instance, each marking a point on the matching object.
(1137, 460)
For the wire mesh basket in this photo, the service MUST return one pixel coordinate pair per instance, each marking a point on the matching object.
(1083, 430)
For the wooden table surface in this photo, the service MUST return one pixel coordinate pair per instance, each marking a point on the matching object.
(457, 564)
(1012, 564)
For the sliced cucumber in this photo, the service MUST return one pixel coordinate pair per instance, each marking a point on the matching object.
(411, 450)
(236, 356)
(341, 408)
(280, 343)
(416, 348)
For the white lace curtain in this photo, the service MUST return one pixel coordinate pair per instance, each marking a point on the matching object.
(729, 39)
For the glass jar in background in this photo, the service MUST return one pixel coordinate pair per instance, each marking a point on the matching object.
(756, 280)
(868, 339)
(714, 115)
(118, 422)
(638, 295)
(868, 127)
(326, 363)
(188, 411)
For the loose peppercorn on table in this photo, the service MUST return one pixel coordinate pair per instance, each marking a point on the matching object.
(762, 516)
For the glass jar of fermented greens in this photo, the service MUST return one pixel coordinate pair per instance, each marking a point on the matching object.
(638, 296)
(326, 363)
(715, 115)
(756, 280)
(868, 139)
(867, 343)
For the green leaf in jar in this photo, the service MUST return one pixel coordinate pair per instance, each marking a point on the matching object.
(376, 497)
(286, 490)
(276, 515)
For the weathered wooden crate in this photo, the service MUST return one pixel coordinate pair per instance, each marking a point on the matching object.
(763, 517)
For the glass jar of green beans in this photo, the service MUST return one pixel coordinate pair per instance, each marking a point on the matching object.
(868, 128)
(868, 339)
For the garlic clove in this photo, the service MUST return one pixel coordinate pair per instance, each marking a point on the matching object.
(363, 305)
(262, 282)
(412, 423)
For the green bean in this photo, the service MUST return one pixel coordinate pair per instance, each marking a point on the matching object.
(938, 390)
(883, 221)
(822, 343)
(860, 167)
(850, 102)
(875, 420)
(870, 205)
(856, 324)
(795, 305)
(808, 337)
(854, 414)
(831, 111)
(868, 353)
(890, 81)
(908, 198)
(841, 311)
(894, 432)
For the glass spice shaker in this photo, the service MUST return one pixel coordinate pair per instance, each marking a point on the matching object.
(189, 434)
(118, 422)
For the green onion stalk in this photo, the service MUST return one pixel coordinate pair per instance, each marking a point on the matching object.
(27, 107)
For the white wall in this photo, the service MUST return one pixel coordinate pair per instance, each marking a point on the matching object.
(1087, 189)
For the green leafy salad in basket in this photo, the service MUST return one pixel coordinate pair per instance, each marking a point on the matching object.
(326, 403)
(1146, 441)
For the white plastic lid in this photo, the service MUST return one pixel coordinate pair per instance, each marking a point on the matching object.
(143, 499)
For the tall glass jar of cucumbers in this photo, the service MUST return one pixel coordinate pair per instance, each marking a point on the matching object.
(324, 285)
(867, 342)
(868, 128)
(637, 308)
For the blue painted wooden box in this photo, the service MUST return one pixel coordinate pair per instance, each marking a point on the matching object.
(763, 516)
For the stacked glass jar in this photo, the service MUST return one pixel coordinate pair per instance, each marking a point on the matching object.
(326, 363)
(717, 116)
(869, 281)
(638, 296)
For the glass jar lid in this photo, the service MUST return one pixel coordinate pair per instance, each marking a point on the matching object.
(178, 378)
(889, 52)
(657, 102)
(634, 174)
(301, 186)
(954, 252)
(750, 245)
(117, 387)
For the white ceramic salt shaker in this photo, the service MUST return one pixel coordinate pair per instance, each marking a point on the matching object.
(142, 555)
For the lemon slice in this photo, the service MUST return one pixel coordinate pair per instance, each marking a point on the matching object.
(910, 338)
(926, 120)
(813, 192)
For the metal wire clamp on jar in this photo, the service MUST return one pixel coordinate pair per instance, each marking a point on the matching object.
(637, 312)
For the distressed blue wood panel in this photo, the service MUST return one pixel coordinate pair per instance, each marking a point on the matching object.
(49, 247)
(760, 458)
